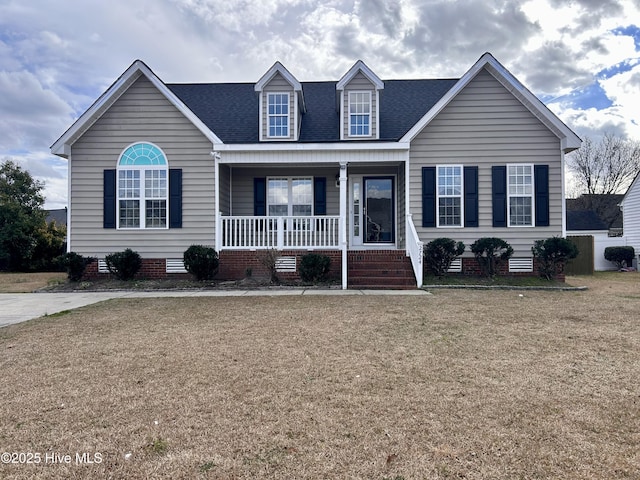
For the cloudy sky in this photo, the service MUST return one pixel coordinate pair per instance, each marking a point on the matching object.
(581, 57)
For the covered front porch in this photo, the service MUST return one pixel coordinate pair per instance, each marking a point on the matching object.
(334, 207)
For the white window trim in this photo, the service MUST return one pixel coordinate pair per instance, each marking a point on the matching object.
(532, 196)
(288, 115)
(354, 92)
(438, 196)
(290, 192)
(142, 198)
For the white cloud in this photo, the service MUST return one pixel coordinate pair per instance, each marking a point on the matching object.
(57, 57)
(32, 115)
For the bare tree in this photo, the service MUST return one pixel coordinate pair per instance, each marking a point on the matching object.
(605, 167)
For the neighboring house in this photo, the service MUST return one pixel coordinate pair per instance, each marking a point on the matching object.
(630, 206)
(586, 221)
(59, 216)
(361, 169)
(605, 205)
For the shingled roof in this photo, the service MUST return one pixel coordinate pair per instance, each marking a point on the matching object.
(584, 220)
(230, 110)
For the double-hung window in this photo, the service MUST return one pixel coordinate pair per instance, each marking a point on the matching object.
(142, 187)
(290, 196)
(520, 193)
(359, 114)
(278, 114)
(449, 193)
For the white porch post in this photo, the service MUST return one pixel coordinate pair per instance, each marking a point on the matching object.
(343, 221)
(216, 194)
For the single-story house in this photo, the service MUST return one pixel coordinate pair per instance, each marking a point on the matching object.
(361, 169)
(605, 205)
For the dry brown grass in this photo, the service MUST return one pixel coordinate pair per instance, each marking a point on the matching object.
(28, 282)
(461, 384)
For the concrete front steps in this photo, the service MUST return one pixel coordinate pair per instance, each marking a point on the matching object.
(380, 269)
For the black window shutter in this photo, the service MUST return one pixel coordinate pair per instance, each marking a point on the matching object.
(175, 198)
(320, 195)
(260, 196)
(499, 189)
(109, 193)
(470, 196)
(428, 196)
(541, 180)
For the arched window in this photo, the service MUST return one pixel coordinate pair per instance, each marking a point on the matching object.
(142, 187)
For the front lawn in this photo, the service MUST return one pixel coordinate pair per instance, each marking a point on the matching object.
(29, 282)
(460, 384)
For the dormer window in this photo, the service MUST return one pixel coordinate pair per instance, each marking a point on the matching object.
(359, 114)
(358, 93)
(278, 113)
(281, 105)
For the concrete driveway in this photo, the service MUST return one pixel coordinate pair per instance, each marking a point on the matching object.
(19, 307)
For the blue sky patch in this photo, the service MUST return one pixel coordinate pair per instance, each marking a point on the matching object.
(591, 96)
(630, 31)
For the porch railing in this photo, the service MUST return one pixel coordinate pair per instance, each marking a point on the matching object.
(296, 232)
(415, 249)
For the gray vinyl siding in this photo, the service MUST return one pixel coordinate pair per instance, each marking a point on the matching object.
(631, 216)
(401, 208)
(225, 189)
(242, 185)
(485, 125)
(278, 84)
(141, 114)
(359, 83)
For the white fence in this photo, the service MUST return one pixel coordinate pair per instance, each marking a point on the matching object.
(600, 242)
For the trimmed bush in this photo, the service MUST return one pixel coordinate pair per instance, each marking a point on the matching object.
(439, 254)
(621, 256)
(314, 267)
(552, 255)
(201, 261)
(490, 252)
(75, 264)
(124, 265)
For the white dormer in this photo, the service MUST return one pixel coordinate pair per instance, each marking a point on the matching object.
(281, 105)
(358, 94)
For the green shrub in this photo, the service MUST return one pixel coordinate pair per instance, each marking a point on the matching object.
(314, 267)
(439, 254)
(201, 261)
(75, 264)
(552, 255)
(490, 252)
(124, 265)
(621, 256)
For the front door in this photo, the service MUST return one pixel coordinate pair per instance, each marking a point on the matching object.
(371, 210)
(378, 210)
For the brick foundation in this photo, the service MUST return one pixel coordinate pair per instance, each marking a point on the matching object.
(152, 268)
(234, 264)
(470, 266)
